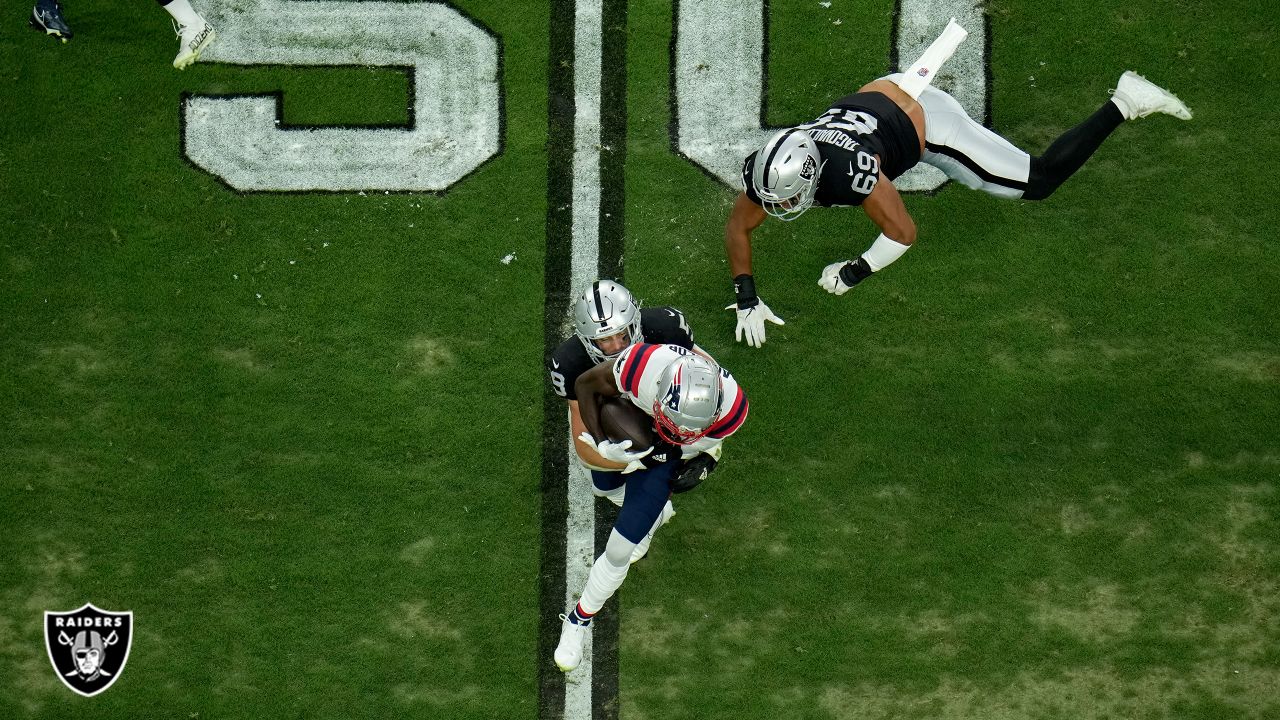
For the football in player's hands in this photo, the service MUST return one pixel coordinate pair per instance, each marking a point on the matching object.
(622, 420)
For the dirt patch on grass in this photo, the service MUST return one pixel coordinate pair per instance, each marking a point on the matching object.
(1252, 366)
(43, 585)
(241, 358)
(77, 358)
(1102, 615)
(418, 552)
(415, 621)
(430, 356)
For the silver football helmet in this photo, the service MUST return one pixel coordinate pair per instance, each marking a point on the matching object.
(604, 310)
(688, 401)
(785, 175)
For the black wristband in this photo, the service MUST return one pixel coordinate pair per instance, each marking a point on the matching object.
(855, 272)
(745, 287)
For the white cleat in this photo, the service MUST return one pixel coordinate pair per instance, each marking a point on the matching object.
(572, 637)
(1138, 97)
(192, 39)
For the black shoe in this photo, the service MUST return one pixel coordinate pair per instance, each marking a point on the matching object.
(47, 16)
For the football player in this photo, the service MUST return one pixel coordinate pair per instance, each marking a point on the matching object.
(695, 405)
(607, 320)
(852, 153)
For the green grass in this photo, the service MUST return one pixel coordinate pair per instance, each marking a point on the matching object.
(1027, 472)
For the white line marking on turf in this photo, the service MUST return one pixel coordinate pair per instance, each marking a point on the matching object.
(580, 530)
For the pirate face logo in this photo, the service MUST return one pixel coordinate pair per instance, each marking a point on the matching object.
(809, 169)
(88, 647)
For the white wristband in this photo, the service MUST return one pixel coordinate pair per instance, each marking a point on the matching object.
(883, 252)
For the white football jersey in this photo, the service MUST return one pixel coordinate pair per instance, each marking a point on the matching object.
(636, 373)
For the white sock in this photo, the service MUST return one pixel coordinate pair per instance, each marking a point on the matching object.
(642, 547)
(607, 573)
(182, 11)
(1122, 102)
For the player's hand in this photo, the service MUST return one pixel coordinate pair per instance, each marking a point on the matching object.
(693, 472)
(838, 277)
(619, 452)
(831, 280)
(751, 322)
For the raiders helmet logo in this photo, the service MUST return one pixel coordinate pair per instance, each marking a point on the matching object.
(808, 170)
(88, 647)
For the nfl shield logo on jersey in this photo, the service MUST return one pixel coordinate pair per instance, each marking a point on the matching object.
(88, 647)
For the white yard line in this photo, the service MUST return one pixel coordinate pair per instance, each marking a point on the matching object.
(580, 528)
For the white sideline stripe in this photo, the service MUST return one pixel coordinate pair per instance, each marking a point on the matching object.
(580, 530)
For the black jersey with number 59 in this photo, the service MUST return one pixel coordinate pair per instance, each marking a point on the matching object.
(659, 326)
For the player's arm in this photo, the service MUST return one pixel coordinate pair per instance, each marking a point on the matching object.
(897, 233)
(745, 217)
(592, 385)
(885, 208)
(587, 453)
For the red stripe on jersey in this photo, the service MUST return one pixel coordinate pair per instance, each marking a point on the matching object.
(732, 420)
(634, 366)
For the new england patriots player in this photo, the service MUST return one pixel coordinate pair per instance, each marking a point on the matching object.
(851, 155)
(695, 405)
(607, 320)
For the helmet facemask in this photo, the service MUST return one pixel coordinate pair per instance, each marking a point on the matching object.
(786, 173)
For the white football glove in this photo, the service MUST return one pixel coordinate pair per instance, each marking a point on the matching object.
(830, 280)
(751, 322)
(618, 452)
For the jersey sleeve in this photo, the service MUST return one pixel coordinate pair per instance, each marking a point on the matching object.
(666, 326)
(630, 367)
(748, 167)
(564, 366)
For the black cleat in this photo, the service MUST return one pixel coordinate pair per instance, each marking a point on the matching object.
(47, 16)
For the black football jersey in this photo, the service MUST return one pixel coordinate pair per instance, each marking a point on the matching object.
(860, 136)
(659, 326)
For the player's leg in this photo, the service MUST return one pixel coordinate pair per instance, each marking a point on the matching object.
(1134, 97)
(647, 493)
(979, 158)
(609, 485)
(194, 34)
(966, 151)
(642, 547)
(612, 487)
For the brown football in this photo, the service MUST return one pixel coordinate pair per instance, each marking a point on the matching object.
(622, 420)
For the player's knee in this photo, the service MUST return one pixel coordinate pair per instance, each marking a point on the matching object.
(1041, 181)
(617, 551)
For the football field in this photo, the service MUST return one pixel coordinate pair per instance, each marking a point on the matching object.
(274, 327)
